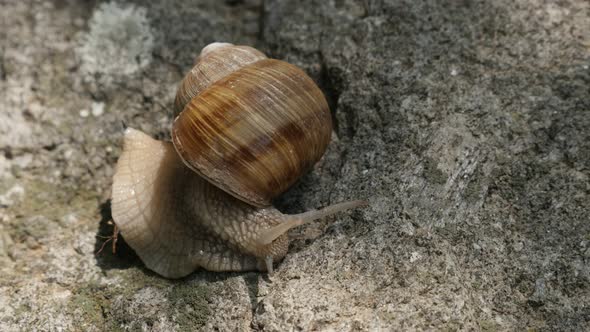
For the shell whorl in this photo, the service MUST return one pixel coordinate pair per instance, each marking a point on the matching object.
(253, 128)
(216, 61)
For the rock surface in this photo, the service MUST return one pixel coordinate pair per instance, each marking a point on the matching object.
(465, 123)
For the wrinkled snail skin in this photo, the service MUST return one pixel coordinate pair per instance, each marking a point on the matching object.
(247, 127)
(176, 221)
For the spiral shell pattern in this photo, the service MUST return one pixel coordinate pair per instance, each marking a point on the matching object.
(254, 131)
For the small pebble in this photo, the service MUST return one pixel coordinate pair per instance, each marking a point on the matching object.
(414, 256)
(97, 109)
(69, 219)
(13, 195)
(68, 153)
(84, 113)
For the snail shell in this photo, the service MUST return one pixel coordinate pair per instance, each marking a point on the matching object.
(253, 126)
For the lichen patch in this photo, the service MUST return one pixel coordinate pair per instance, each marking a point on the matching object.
(119, 42)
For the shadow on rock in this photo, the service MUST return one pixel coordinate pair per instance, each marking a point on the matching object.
(111, 250)
(111, 254)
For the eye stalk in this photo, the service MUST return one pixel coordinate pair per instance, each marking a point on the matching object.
(269, 235)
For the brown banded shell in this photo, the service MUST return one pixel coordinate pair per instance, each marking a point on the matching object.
(254, 131)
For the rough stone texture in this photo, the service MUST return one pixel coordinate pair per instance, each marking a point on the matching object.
(465, 123)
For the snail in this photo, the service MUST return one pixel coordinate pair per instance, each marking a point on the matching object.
(246, 128)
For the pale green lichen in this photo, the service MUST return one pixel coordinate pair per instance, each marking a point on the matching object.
(490, 326)
(120, 41)
(190, 305)
(90, 304)
(140, 299)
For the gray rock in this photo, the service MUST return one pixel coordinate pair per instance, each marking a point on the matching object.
(465, 123)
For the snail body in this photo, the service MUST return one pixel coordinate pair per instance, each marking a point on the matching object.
(244, 135)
